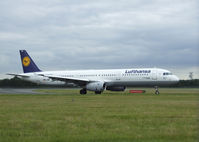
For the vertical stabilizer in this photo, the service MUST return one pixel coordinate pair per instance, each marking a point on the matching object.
(27, 63)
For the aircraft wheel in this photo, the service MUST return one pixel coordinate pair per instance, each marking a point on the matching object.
(83, 91)
(156, 90)
(98, 92)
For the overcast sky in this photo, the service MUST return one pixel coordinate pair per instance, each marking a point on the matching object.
(95, 34)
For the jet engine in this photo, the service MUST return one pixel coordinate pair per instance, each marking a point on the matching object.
(115, 88)
(95, 86)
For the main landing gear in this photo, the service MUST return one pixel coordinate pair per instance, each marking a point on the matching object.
(98, 92)
(83, 91)
(156, 90)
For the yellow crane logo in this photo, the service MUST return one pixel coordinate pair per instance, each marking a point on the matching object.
(26, 61)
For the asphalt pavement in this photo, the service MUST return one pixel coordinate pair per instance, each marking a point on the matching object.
(18, 91)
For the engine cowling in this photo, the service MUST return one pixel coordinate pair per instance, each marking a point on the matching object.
(95, 86)
(115, 88)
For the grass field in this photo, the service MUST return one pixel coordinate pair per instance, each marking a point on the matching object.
(66, 116)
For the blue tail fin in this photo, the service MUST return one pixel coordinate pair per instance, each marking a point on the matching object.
(27, 63)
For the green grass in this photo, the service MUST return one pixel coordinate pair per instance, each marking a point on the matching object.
(65, 116)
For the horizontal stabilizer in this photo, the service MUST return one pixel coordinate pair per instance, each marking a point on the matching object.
(21, 75)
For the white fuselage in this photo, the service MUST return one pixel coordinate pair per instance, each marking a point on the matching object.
(113, 77)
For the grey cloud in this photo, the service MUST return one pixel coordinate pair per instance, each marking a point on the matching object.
(100, 34)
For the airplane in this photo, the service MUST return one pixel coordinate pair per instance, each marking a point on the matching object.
(96, 80)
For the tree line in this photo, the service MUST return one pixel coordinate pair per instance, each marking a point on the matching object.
(188, 83)
(19, 83)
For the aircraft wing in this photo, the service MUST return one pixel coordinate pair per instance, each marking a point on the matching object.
(78, 81)
(20, 75)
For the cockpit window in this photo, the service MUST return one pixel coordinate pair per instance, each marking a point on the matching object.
(167, 73)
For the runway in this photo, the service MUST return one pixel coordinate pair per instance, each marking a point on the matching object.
(18, 91)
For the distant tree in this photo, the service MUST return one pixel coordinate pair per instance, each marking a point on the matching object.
(188, 83)
(16, 82)
(19, 83)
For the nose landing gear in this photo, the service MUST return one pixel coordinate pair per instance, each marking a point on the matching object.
(156, 90)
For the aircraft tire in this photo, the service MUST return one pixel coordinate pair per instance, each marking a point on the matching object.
(83, 91)
(98, 92)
